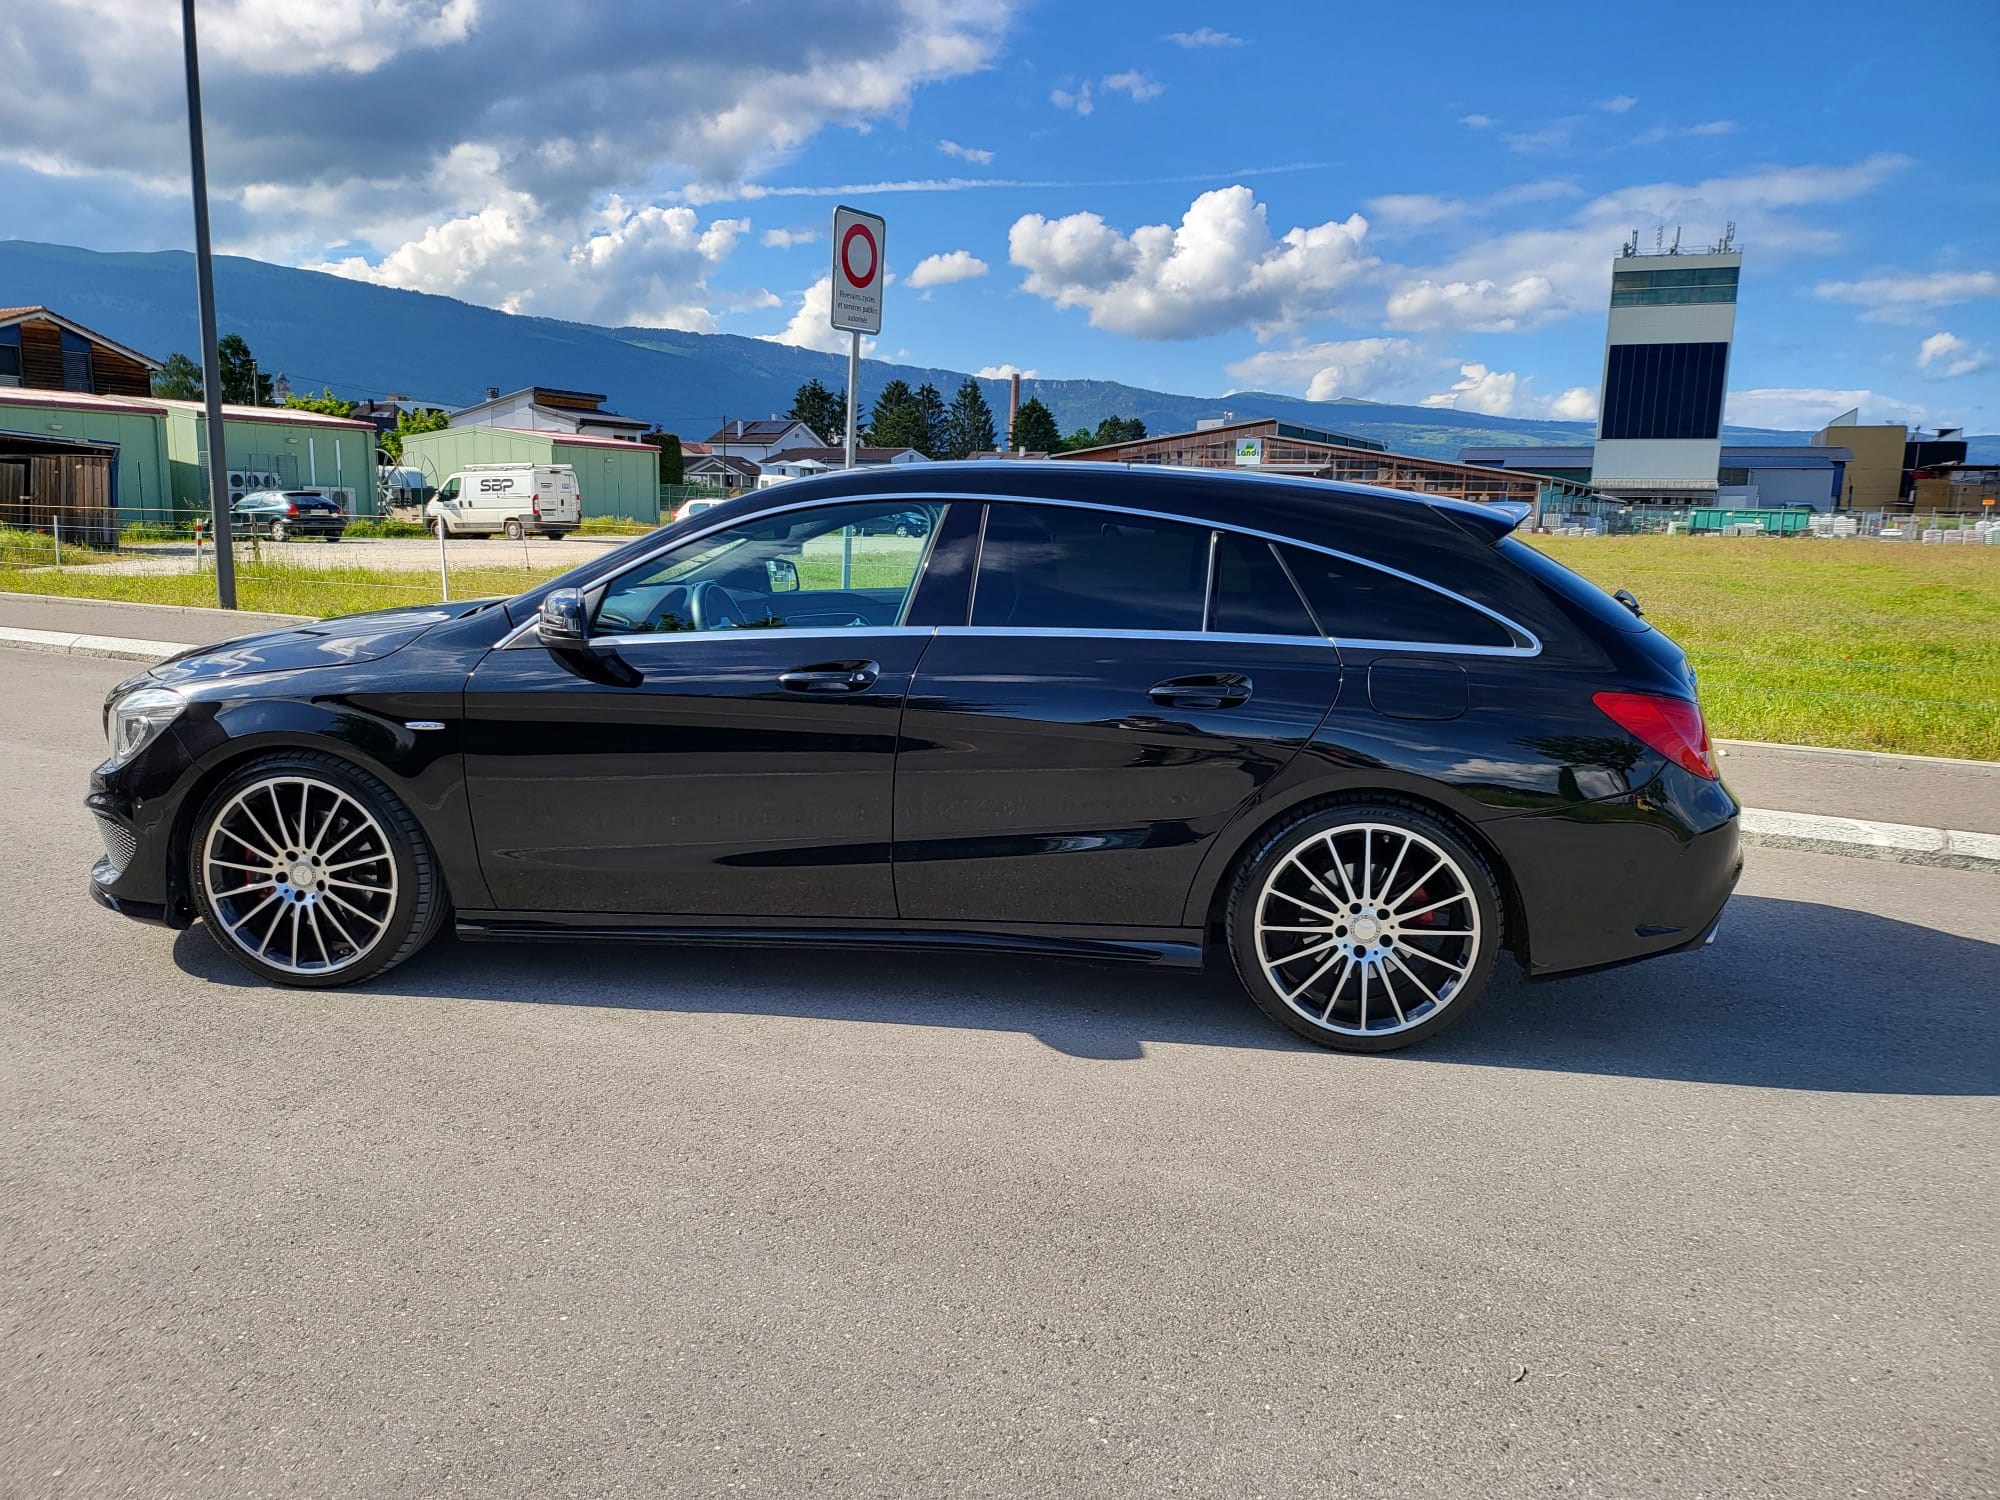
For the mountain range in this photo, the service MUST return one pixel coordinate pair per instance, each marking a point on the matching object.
(365, 340)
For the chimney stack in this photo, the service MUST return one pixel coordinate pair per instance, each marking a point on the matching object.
(1013, 404)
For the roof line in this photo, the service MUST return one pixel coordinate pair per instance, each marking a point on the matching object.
(23, 314)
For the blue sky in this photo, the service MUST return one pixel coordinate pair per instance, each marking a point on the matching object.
(1397, 201)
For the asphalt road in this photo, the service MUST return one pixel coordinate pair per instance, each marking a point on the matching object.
(568, 1222)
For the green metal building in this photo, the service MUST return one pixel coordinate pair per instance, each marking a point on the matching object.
(159, 463)
(614, 477)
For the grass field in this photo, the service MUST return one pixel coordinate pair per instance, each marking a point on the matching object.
(1866, 645)
(1861, 644)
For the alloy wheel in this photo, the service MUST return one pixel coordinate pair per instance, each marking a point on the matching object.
(301, 876)
(1367, 929)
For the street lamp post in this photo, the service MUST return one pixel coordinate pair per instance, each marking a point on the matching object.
(211, 362)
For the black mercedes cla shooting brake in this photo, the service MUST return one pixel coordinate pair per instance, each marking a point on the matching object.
(1353, 741)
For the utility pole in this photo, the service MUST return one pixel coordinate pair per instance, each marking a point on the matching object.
(211, 362)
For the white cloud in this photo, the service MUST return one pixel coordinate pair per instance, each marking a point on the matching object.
(785, 239)
(1203, 36)
(1422, 210)
(1135, 83)
(1530, 277)
(966, 153)
(1714, 127)
(1617, 104)
(941, 270)
(1555, 136)
(1003, 372)
(1219, 268)
(1800, 408)
(1480, 390)
(811, 326)
(625, 264)
(1482, 306)
(1577, 404)
(1905, 296)
(1946, 356)
(564, 120)
(1077, 99)
(1478, 122)
(1323, 372)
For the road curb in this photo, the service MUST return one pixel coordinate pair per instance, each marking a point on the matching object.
(1857, 838)
(1862, 757)
(1861, 838)
(69, 643)
(83, 602)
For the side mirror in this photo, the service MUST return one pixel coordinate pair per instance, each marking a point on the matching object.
(783, 574)
(564, 624)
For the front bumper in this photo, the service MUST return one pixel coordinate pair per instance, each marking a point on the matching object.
(134, 807)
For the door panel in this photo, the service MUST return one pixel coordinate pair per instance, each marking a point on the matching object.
(694, 781)
(1043, 777)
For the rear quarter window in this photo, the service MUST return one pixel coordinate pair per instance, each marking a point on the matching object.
(1355, 602)
(1570, 586)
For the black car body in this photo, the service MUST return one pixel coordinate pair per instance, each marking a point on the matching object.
(286, 514)
(1107, 713)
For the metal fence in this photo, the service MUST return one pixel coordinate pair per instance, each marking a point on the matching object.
(1612, 518)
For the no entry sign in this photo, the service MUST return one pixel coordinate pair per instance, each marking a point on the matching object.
(857, 270)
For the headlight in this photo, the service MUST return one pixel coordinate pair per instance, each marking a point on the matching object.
(138, 717)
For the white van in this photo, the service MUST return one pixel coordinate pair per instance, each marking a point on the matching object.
(507, 499)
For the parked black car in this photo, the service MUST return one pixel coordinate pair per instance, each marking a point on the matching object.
(285, 514)
(1355, 741)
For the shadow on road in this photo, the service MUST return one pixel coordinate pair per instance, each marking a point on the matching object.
(1793, 995)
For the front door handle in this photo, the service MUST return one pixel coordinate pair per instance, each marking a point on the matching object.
(1209, 690)
(832, 677)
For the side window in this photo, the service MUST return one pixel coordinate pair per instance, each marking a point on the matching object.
(838, 567)
(1252, 594)
(1058, 567)
(1358, 603)
(449, 492)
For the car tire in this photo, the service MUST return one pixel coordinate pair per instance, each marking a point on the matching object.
(1365, 927)
(281, 817)
(902, 530)
(279, 531)
(514, 531)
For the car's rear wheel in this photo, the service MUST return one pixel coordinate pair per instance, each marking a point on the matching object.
(279, 531)
(308, 871)
(1366, 927)
(514, 531)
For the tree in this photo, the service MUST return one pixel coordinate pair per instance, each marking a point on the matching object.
(672, 470)
(408, 422)
(239, 368)
(326, 402)
(968, 424)
(1035, 428)
(178, 379)
(1118, 430)
(898, 419)
(1083, 437)
(824, 411)
(930, 406)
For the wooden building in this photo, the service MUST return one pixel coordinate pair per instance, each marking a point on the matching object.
(42, 350)
(1269, 446)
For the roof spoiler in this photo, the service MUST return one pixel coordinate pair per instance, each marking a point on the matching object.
(1488, 521)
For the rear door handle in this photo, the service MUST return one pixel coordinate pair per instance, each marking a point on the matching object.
(832, 677)
(1209, 690)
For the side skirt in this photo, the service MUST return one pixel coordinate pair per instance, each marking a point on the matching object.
(1171, 947)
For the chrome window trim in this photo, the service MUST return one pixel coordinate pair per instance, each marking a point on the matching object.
(776, 632)
(1520, 632)
(1208, 585)
(1085, 637)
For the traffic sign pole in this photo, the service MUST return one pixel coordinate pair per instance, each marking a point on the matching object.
(853, 389)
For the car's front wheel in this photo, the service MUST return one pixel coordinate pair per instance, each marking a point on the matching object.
(309, 871)
(1365, 928)
(514, 531)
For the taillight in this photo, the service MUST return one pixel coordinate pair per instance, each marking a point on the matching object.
(1672, 726)
(291, 510)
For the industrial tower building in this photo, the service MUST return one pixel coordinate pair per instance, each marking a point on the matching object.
(1666, 368)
